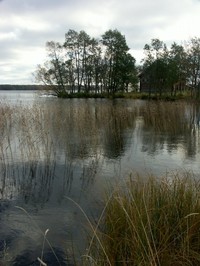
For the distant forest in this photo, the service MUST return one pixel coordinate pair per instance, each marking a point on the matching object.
(20, 87)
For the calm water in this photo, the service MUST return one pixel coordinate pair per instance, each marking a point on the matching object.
(58, 153)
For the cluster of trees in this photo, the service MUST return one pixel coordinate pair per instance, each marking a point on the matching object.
(85, 64)
(177, 68)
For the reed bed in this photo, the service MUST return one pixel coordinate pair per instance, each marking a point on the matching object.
(35, 139)
(165, 118)
(153, 221)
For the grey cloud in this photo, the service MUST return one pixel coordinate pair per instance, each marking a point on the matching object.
(27, 25)
(24, 6)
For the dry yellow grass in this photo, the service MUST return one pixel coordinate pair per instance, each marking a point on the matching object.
(151, 222)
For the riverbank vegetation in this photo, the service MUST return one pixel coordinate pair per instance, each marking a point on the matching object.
(149, 221)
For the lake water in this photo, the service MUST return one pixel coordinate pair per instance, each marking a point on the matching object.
(59, 156)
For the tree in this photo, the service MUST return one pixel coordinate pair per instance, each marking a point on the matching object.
(95, 66)
(117, 61)
(177, 66)
(53, 71)
(193, 59)
(74, 52)
(155, 65)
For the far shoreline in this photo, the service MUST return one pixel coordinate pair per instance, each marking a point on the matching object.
(15, 87)
(134, 95)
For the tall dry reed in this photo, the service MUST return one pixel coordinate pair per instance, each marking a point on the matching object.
(150, 222)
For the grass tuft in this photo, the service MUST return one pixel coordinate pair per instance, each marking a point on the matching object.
(151, 222)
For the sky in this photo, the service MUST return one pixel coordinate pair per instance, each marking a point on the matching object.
(26, 26)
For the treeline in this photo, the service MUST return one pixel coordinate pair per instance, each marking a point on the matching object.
(85, 64)
(171, 70)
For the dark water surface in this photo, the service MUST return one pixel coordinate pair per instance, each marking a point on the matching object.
(57, 154)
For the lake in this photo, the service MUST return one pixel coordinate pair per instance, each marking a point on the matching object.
(60, 157)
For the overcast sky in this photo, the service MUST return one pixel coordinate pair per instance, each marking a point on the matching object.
(26, 25)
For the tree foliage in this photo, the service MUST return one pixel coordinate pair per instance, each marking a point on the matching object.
(105, 65)
(169, 69)
(85, 64)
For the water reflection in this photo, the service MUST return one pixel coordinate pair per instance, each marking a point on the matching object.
(171, 127)
(54, 149)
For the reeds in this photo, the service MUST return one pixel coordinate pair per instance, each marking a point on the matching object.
(35, 140)
(151, 222)
(167, 118)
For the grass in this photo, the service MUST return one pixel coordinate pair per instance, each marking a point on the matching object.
(150, 222)
(171, 119)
